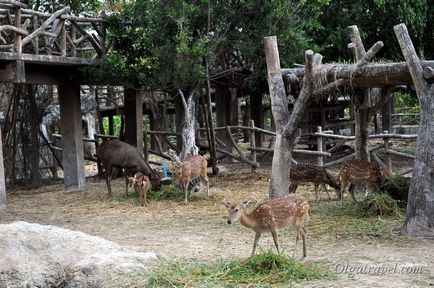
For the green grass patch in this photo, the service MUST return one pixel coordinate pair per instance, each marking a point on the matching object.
(356, 220)
(166, 193)
(397, 187)
(264, 270)
(378, 204)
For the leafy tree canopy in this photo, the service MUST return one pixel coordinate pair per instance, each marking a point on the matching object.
(375, 19)
(162, 43)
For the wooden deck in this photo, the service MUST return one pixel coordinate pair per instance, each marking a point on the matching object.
(33, 42)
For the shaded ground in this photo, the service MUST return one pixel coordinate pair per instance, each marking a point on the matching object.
(198, 230)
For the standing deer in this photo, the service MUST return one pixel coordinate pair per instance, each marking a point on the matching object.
(191, 168)
(357, 171)
(141, 183)
(279, 213)
(305, 173)
(118, 154)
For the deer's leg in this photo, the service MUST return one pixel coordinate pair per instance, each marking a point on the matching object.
(343, 186)
(108, 176)
(186, 182)
(325, 188)
(351, 190)
(303, 236)
(126, 183)
(297, 238)
(145, 195)
(292, 188)
(315, 187)
(255, 243)
(276, 243)
(207, 182)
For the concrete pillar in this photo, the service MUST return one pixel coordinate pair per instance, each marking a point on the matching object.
(133, 114)
(72, 136)
(2, 177)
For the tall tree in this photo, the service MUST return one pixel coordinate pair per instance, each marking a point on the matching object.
(420, 205)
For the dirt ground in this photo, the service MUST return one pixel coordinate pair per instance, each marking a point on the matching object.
(198, 230)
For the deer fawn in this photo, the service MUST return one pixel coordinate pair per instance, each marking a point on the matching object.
(279, 213)
(305, 173)
(359, 171)
(191, 168)
(143, 184)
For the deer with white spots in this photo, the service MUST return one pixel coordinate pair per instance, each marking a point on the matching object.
(192, 167)
(142, 184)
(309, 173)
(359, 171)
(279, 213)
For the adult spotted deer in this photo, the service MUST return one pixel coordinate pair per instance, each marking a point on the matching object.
(309, 173)
(142, 184)
(191, 168)
(279, 213)
(357, 171)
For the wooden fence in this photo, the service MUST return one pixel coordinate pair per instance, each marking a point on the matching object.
(322, 137)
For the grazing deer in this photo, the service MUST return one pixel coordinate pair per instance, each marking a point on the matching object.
(357, 171)
(191, 168)
(141, 183)
(118, 154)
(279, 213)
(305, 173)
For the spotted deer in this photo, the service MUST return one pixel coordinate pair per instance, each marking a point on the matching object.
(191, 168)
(279, 213)
(357, 171)
(142, 184)
(309, 173)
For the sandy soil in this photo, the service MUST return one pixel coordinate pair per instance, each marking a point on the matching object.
(198, 230)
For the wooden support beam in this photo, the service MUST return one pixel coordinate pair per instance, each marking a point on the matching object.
(134, 117)
(3, 199)
(72, 136)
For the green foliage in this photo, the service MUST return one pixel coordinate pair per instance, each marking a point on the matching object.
(83, 8)
(116, 125)
(163, 43)
(379, 204)
(265, 270)
(406, 102)
(171, 193)
(397, 187)
(157, 44)
(370, 18)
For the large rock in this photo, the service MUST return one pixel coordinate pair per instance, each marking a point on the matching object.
(34, 255)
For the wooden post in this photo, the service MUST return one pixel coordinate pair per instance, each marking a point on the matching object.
(63, 38)
(133, 113)
(17, 37)
(319, 144)
(72, 136)
(145, 145)
(98, 164)
(73, 38)
(386, 149)
(3, 199)
(36, 39)
(252, 144)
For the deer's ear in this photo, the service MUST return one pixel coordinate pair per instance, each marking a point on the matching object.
(227, 204)
(247, 202)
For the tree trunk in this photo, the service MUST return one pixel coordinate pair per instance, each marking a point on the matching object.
(286, 125)
(361, 117)
(420, 205)
(189, 126)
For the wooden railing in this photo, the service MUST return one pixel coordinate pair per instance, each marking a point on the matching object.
(60, 34)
